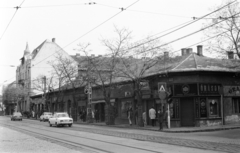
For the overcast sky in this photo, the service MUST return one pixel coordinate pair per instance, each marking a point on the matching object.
(75, 21)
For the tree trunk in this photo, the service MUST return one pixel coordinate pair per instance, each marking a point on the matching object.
(110, 114)
(140, 118)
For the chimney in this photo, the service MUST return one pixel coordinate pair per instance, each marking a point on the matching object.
(166, 55)
(199, 50)
(77, 54)
(184, 51)
(230, 55)
(53, 39)
(189, 50)
(92, 55)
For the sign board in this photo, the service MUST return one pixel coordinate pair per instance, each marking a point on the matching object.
(162, 86)
(162, 95)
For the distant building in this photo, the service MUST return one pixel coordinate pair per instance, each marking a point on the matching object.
(34, 66)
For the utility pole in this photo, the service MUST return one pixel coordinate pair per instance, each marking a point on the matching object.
(44, 90)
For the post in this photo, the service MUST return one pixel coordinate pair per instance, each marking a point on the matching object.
(89, 109)
(44, 90)
(222, 109)
(168, 117)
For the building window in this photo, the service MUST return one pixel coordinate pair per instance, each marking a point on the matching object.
(213, 107)
(236, 105)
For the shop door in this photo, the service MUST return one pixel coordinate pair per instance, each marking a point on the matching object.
(187, 112)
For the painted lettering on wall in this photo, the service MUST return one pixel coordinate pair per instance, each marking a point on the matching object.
(231, 90)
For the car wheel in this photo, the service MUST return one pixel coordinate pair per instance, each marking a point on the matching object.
(50, 124)
(69, 125)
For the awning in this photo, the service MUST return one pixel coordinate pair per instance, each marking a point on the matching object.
(102, 101)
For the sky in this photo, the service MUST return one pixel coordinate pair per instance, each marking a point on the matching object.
(72, 22)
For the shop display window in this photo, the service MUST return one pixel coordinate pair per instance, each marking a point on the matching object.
(213, 107)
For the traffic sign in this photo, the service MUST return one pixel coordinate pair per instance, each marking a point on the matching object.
(162, 95)
(162, 86)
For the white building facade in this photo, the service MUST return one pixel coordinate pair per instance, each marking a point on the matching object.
(34, 67)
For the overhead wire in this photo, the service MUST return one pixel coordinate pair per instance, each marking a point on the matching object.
(183, 26)
(89, 31)
(119, 13)
(17, 7)
(186, 35)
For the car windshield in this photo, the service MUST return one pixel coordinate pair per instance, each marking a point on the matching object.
(17, 114)
(47, 113)
(62, 115)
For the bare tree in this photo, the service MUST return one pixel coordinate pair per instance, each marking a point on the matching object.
(142, 58)
(224, 34)
(44, 85)
(66, 69)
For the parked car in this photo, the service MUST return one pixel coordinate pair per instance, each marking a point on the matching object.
(16, 116)
(45, 116)
(60, 119)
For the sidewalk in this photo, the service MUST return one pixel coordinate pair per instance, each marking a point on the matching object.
(171, 130)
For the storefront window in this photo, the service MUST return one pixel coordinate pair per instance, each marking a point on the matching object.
(213, 107)
(174, 109)
(236, 105)
(203, 108)
(124, 107)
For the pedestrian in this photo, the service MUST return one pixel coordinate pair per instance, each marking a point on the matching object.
(93, 115)
(130, 115)
(33, 113)
(96, 115)
(144, 118)
(152, 115)
(160, 119)
(166, 118)
(80, 115)
(136, 115)
(84, 116)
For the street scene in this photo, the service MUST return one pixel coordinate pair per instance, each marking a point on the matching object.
(120, 76)
(88, 138)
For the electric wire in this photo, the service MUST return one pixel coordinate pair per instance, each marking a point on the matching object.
(182, 26)
(186, 35)
(89, 31)
(125, 9)
(17, 7)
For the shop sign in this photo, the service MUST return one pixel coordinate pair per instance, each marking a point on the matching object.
(185, 89)
(231, 90)
(209, 89)
(144, 85)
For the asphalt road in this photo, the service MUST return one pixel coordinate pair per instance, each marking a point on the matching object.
(87, 138)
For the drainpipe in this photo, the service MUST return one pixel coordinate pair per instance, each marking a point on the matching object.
(222, 107)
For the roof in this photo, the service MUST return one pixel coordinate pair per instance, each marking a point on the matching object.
(36, 50)
(194, 62)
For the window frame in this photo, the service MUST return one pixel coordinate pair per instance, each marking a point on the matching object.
(217, 100)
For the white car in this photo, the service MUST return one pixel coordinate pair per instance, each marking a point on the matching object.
(45, 116)
(60, 119)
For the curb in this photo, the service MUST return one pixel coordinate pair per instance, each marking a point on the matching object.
(149, 129)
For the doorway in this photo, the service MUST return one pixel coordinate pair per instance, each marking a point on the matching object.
(187, 112)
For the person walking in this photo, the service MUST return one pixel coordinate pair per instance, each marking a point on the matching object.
(144, 118)
(160, 119)
(136, 115)
(152, 115)
(166, 118)
(130, 115)
(96, 115)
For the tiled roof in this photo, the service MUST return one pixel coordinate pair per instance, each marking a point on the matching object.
(193, 62)
(36, 50)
